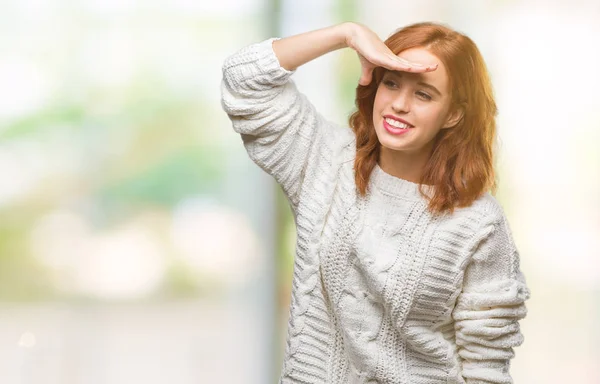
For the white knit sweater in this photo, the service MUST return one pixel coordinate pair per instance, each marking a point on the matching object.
(382, 291)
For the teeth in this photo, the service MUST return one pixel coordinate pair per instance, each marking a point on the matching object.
(396, 123)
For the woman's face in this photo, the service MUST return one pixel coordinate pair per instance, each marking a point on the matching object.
(421, 100)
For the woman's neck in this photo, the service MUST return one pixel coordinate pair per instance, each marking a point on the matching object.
(402, 164)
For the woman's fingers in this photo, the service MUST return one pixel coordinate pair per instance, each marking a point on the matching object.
(402, 61)
(405, 65)
(393, 62)
(373, 52)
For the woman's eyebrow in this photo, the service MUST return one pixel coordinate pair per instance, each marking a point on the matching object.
(422, 83)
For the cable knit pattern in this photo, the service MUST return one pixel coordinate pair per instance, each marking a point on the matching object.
(382, 291)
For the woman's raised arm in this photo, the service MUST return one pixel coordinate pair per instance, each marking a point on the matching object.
(294, 51)
(281, 130)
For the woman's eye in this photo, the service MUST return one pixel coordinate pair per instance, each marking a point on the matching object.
(424, 95)
(392, 84)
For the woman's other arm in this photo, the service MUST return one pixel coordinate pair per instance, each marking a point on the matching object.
(489, 309)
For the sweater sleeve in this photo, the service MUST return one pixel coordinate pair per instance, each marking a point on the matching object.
(281, 130)
(489, 307)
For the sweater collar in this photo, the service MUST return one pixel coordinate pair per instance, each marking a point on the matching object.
(397, 187)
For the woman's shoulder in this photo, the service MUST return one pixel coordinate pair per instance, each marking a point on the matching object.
(485, 210)
(487, 205)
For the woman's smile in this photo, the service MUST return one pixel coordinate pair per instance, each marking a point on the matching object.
(393, 129)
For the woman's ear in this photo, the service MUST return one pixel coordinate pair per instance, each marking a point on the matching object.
(454, 118)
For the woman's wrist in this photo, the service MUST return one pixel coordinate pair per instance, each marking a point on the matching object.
(346, 30)
(294, 51)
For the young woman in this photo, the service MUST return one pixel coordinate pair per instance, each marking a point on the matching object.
(406, 270)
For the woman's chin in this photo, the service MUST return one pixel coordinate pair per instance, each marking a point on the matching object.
(394, 148)
(392, 144)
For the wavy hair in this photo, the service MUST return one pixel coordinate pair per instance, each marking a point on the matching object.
(461, 163)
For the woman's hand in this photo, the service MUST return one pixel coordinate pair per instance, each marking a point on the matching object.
(373, 53)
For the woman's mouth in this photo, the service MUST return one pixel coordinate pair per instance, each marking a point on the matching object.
(395, 127)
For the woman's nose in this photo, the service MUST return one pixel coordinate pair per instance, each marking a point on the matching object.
(402, 102)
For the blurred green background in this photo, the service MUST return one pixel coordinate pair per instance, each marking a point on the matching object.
(138, 243)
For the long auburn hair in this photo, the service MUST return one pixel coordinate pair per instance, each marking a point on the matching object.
(461, 163)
